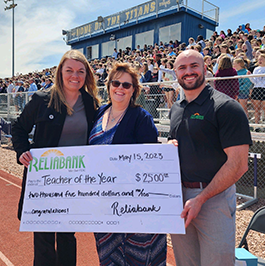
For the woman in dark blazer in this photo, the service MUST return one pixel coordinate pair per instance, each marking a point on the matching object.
(62, 116)
(123, 122)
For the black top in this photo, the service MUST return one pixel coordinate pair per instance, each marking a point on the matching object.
(204, 128)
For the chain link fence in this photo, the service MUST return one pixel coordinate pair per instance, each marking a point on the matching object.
(157, 98)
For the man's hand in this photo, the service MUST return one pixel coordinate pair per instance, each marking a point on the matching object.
(191, 210)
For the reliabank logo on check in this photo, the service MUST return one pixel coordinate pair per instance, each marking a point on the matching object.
(54, 159)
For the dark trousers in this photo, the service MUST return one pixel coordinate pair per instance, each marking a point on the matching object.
(54, 249)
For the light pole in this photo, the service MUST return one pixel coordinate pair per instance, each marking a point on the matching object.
(12, 6)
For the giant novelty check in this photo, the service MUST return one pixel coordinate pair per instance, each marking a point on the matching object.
(105, 188)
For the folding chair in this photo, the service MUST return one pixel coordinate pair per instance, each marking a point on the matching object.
(257, 223)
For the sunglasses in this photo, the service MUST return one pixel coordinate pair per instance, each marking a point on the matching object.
(125, 85)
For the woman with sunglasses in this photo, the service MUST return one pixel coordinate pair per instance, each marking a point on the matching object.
(123, 122)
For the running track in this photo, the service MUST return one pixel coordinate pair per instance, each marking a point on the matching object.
(16, 247)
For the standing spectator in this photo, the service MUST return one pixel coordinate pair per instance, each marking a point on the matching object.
(115, 54)
(32, 87)
(213, 152)
(258, 93)
(15, 96)
(244, 83)
(248, 45)
(168, 89)
(10, 86)
(20, 96)
(229, 87)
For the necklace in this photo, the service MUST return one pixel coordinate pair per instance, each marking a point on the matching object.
(114, 118)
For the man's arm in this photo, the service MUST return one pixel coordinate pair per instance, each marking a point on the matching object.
(232, 170)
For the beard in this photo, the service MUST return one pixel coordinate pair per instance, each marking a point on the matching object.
(189, 87)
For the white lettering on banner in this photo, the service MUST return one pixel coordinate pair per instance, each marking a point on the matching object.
(113, 188)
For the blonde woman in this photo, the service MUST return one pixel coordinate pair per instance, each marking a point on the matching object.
(64, 111)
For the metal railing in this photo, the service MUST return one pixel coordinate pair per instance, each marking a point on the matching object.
(156, 98)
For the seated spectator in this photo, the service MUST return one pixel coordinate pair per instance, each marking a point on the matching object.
(222, 34)
(225, 50)
(209, 74)
(198, 48)
(200, 41)
(48, 83)
(191, 43)
(216, 53)
(229, 87)
(170, 51)
(247, 27)
(150, 63)
(229, 33)
(145, 74)
(206, 51)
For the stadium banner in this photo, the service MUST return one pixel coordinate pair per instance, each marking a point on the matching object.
(104, 188)
(147, 9)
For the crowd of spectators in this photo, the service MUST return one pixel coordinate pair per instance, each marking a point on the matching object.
(154, 63)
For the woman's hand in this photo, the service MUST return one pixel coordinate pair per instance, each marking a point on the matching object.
(174, 142)
(25, 158)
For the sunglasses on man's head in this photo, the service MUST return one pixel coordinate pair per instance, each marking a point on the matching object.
(125, 85)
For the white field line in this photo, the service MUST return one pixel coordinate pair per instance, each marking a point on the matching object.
(2, 256)
(5, 260)
(10, 182)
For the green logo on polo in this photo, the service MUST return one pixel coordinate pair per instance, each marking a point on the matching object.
(197, 116)
(58, 161)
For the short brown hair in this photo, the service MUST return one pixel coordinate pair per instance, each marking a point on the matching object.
(118, 70)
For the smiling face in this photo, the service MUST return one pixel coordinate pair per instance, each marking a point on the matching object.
(208, 61)
(261, 60)
(73, 75)
(119, 95)
(190, 70)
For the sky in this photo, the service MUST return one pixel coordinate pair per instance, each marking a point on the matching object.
(38, 26)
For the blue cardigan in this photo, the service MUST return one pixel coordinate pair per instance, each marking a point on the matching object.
(137, 126)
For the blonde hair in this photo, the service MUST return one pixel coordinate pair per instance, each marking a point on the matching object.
(240, 62)
(57, 100)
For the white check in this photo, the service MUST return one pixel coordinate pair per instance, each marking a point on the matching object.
(106, 188)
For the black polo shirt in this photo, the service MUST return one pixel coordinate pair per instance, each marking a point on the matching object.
(204, 128)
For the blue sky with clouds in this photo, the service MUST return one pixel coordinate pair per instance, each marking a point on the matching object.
(38, 26)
